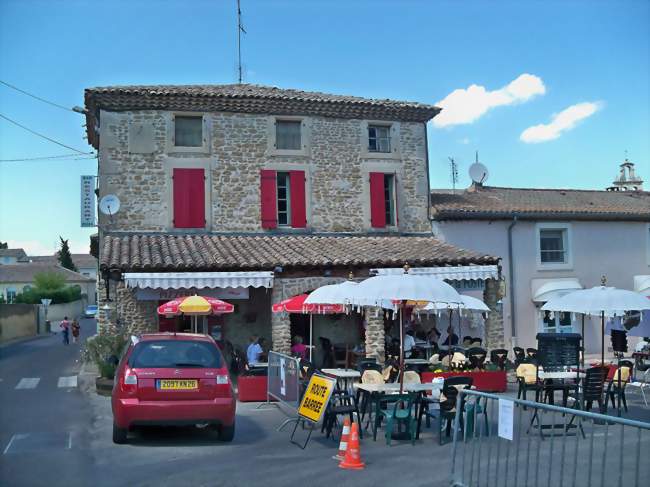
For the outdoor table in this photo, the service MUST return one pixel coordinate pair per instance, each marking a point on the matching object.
(419, 363)
(562, 386)
(379, 392)
(343, 375)
(258, 365)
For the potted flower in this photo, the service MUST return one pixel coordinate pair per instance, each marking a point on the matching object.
(103, 351)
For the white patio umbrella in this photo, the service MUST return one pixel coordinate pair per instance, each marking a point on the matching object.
(599, 300)
(469, 303)
(332, 293)
(396, 291)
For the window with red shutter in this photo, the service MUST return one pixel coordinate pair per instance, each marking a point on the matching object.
(189, 198)
(298, 206)
(268, 203)
(377, 200)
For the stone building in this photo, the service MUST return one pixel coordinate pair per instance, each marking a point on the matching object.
(254, 194)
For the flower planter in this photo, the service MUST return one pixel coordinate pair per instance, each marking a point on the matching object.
(104, 386)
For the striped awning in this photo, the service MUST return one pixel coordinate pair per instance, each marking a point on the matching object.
(198, 280)
(451, 273)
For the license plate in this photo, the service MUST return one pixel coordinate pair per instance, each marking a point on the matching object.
(178, 385)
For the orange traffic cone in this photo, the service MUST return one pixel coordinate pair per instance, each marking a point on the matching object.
(352, 458)
(343, 445)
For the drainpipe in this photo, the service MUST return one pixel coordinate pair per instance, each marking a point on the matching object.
(426, 159)
(513, 313)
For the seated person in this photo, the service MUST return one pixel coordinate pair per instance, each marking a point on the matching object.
(254, 350)
(433, 335)
(298, 349)
(409, 343)
(452, 338)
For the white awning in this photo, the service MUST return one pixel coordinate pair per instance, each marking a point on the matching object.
(642, 285)
(188, 280)
(544, 290)
(457, 273)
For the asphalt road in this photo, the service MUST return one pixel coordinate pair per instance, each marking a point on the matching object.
(43, 413)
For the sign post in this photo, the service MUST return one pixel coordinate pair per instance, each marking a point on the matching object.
(46, 302)
(313, 404)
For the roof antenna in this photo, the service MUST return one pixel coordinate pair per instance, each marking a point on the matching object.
(240, 29)
(453, 166)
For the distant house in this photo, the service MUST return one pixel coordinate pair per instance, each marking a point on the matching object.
(86, 264)
(17, 278)
(12, 256)
(552, 241)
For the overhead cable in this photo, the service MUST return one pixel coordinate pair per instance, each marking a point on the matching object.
(41, 135)
(37, 97)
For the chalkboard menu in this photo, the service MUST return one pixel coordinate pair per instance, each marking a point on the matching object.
(558, 350)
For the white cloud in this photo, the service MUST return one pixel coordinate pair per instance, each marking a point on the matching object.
(561, 122)
(463, 106)
(464, 141)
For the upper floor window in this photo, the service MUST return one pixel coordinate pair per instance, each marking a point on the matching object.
(288, 135)
(189, 198)
(188, 131)
(283, 199)
(554, 246)
(383, 200)
(379, 138)
(11, 295)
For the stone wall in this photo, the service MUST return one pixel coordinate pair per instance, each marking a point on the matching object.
(336, 169)
(494, 332)
(18, 321)
(375, 341)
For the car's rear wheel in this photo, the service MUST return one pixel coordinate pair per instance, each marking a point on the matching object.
(227, 433)
(119, 434)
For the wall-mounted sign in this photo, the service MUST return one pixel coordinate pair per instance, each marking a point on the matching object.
(88, 201)
(166, 294)
(469, 285)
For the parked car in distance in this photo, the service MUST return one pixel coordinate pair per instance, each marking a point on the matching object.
(172, 379)
(90, 311)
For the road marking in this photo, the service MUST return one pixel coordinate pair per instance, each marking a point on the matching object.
(68, 381)
(28, 383)
(13, 437)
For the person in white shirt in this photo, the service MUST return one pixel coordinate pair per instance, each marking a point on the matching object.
(409, 343)
(254, 351)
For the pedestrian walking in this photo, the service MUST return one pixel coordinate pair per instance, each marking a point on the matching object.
(76, 327)
(65, 326)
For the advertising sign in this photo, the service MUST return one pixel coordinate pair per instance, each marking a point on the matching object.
(317, 395)
(88, 201)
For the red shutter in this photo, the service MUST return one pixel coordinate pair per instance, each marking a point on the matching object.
(189, 198)
(396, 200)
(298, 210)
(269, 202)
(377, 202)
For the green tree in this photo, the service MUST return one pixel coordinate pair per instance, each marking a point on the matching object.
(50, 285)
(4, 245)
(49, 280)
(64, 256)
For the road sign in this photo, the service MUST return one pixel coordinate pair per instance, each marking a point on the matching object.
(88, 201)
(46, 302)
(314, 402)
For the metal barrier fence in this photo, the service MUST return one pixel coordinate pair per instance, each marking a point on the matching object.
(502, 441)
(283, 382)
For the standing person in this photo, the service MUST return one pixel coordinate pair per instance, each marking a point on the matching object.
(409, 343)
(254, 350)
(298, 349)
(65, 326)
(76, 327)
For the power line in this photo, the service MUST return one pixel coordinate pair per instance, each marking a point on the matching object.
(41, 135)
(37, 97)
(91, 155)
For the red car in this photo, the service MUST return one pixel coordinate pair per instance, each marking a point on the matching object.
(172, 379)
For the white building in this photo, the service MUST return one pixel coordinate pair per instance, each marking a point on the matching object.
(551, 241)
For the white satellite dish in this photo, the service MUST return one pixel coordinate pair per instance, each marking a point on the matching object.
(109, 204)
(478, 172)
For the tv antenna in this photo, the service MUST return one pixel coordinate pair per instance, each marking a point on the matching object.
(240, 29)
(453, 167)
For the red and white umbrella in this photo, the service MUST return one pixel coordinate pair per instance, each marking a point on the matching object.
(296, 304)
(195, 306)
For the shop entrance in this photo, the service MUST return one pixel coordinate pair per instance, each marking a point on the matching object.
(299, 326)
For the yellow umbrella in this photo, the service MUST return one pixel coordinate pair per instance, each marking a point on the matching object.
(195, 305)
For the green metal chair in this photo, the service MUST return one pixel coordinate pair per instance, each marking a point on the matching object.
(401, 412)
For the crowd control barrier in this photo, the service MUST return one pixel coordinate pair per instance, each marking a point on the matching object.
(283, 382)
(502, 441)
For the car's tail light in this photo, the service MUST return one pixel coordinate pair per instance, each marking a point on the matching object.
(129, 382)
(223, 385)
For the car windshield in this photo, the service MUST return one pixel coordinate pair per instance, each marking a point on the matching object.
(176, 354)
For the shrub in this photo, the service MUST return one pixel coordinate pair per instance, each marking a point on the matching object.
(99, 348)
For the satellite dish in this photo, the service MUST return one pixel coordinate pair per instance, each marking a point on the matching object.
(109, 204)
(478, 172)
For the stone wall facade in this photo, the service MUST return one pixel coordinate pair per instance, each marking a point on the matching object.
(336, 165)
(494, 332)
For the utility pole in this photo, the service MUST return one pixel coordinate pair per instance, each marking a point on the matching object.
(240, 29)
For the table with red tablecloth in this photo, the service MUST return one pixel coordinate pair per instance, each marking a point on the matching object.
(251, 388)
(484, 380)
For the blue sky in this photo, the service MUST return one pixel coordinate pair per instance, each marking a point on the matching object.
(577, 72)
